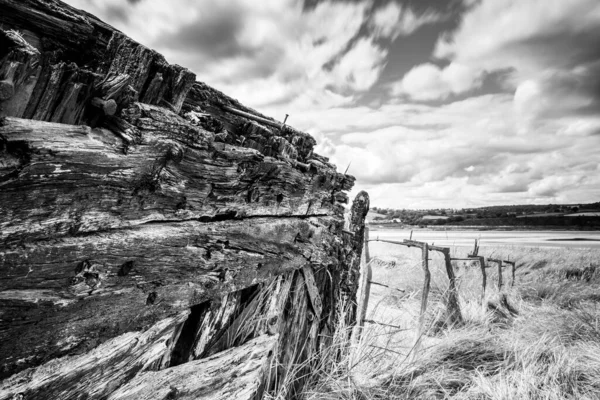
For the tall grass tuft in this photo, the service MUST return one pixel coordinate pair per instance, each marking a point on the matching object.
(539, 340)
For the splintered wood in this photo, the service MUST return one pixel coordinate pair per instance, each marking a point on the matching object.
(158, 239)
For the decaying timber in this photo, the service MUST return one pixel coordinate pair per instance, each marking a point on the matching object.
(157, 237)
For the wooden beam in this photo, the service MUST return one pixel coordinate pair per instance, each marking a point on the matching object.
(272, 123)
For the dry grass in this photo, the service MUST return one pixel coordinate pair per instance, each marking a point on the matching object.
(539, 340)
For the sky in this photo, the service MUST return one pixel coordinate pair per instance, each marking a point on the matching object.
(432, 103)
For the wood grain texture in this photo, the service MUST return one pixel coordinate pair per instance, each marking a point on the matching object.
(232, 374)
(98, 372)
(151, 225)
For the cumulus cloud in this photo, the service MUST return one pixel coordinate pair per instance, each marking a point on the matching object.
(472, 143)
(527, 35)
(536, 141)
(430, 82)
(267, 52)
(549, 45)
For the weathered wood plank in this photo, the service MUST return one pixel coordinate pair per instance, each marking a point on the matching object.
(96, 373)
(144, 272)
(236, 373)
(57, 180)
(313, 291)
(349, 279)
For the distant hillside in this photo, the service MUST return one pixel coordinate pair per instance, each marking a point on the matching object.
(557, 215)
(372, 215)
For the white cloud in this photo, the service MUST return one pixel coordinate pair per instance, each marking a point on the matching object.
(360, 67)
(536, 144)
(549, 46)
(394, 20)
(528, 35)
(430, 82)
(259, 52)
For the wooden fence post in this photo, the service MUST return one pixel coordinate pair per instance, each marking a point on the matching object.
(499, 275)
(454, 315)
(500, 264)
(367, 254)
(483, 276)
(366, 276)
(513, 268)
(426, 284)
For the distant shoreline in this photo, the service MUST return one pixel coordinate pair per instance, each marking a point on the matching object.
(373, 225)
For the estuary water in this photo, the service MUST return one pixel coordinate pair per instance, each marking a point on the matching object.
(554, 238)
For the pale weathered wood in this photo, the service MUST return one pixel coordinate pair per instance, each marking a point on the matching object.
(426, 285)
(272, 123)
(163, 179)
(99, 371)
(236, 373)
(366, 276)
(351, 276)
(313, 291)
(213, 323)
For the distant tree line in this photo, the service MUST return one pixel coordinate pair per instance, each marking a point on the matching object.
(496, 215)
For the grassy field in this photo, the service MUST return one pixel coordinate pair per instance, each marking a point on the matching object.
(537, 340)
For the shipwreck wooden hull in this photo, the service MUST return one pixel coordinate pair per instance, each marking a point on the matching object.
(157, 238)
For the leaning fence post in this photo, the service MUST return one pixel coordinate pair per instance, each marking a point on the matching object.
(426, 283)
(454, 315)
(513, 268)
(367, 254)
(483, 275)
(499, 275)
(366, 276)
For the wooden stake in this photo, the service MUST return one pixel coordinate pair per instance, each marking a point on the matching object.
(366, 278)
(475, 250)
(483, 276)
(426, 284)
(500, 264)
(367, 254)
(513, 269)
(454, 315)
(499, 275)
(347, 168)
